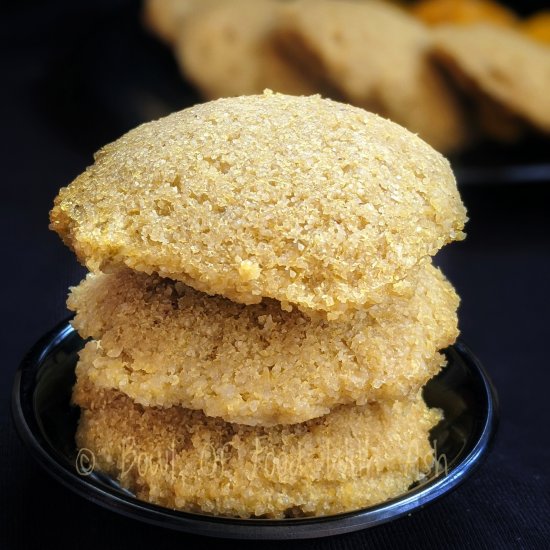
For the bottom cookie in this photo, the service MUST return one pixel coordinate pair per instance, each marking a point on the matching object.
(351, 458)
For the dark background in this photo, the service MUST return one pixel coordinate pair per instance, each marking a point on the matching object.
(76, 75)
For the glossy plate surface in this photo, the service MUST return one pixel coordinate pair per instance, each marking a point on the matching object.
(46, 423)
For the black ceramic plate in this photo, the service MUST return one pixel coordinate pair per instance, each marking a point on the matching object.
(46, 423)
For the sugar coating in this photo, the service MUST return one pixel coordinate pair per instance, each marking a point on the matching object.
(177, 458)
(165, 344)
(377, 56)
(301, 199)
(503, 64)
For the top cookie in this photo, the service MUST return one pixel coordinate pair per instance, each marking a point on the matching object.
(300, 199)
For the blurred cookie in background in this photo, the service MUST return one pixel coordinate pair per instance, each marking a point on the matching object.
(502, 65)
(537, 27)
(456, 72)
(164, 17)
(227, 50)
(376, 55)
(436, 12)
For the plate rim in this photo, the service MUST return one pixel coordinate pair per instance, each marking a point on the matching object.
(48, 458)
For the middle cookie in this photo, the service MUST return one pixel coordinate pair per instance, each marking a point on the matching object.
(163, 344)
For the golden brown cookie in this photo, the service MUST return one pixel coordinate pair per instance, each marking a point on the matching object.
(165, 344)
(299, 199)
(352, 458)
(376, 55)
(502, 64)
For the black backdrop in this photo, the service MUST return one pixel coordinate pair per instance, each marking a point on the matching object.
(76, 75)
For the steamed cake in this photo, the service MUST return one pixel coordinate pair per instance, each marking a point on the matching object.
(303, 200)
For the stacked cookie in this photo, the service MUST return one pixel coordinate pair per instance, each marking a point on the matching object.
(261, 305)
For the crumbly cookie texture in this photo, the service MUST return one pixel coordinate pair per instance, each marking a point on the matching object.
(165, 344)
(503, 64)
(300, 199)
(177, 458)
(377, 56)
